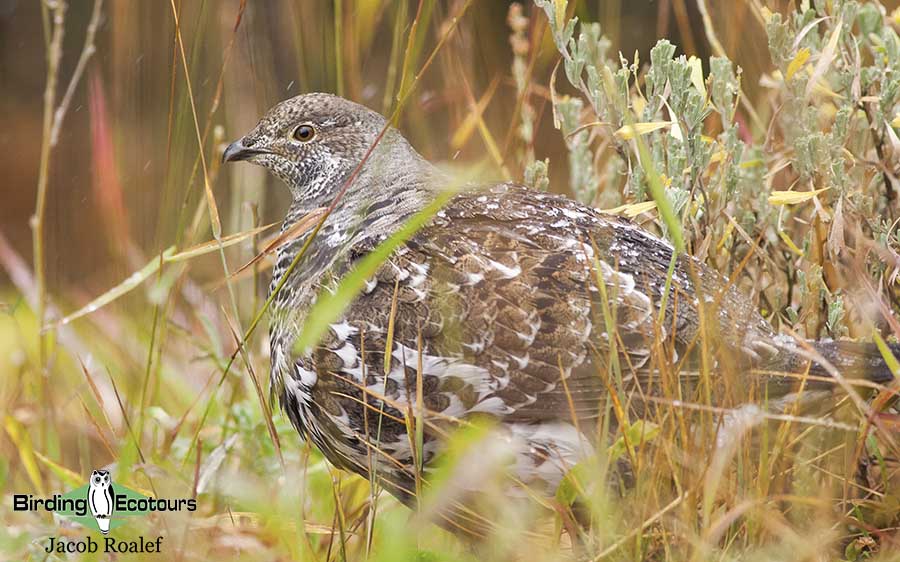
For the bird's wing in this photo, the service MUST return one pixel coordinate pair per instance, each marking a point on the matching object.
(509, 295)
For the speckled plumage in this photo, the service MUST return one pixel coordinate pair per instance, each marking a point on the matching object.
(503, 294)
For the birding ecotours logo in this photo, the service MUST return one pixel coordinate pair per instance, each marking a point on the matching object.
(100, 499)
(100, 504)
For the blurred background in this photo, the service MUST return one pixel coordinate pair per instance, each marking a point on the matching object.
(124, 180)
(121, 172)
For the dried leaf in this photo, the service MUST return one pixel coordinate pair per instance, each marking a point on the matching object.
(895, 142)
(836, 234)
(213, 245)
(797, 63)
(825, 60)
(793, 197)
(560, 6)
(628, 131)
(789, 243)
(806, 29)
(587, 126)
(554, 97)
(631, 210)
(296, 230)
(638, 103)
(729, 228)
(213, 462)
(696, 67)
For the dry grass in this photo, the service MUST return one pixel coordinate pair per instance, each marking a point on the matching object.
(163, 377)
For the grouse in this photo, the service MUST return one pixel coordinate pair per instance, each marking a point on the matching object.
(509, 304)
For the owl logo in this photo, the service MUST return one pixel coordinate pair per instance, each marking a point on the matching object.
(100, 498)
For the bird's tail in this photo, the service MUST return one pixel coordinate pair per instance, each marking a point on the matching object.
(855, 360)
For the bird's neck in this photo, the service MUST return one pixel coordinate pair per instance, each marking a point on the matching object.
(394, 184)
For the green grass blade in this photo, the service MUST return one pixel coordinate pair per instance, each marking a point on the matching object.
(887, 355)
(329, 306)
(658, 192)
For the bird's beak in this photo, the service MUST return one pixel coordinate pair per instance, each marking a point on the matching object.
(237, 151)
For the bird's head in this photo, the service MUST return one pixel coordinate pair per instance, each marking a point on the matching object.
(100, 478)
(314, 142)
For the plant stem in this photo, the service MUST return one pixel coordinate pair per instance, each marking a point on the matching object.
(54, 53)
(338, 47)
(53, 120)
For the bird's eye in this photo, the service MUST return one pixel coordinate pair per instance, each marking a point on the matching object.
(304, 133)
